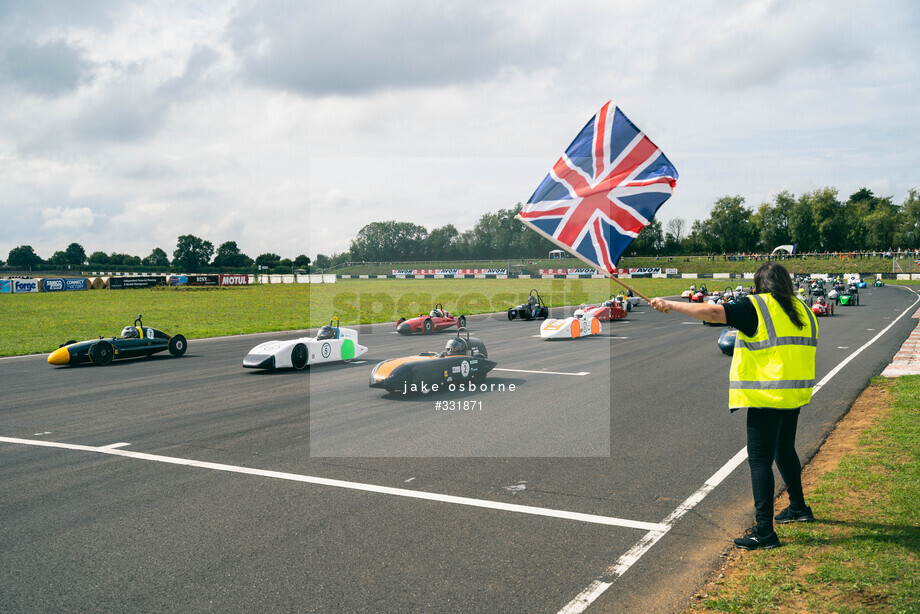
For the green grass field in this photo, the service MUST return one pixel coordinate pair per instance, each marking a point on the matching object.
(34, 323)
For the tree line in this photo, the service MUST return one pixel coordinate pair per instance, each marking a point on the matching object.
(816, 221)
(192, 254)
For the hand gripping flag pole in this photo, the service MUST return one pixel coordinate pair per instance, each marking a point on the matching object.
(602, 192)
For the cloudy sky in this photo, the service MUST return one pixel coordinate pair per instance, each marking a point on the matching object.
(288, 125)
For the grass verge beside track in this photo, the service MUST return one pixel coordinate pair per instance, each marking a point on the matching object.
(863, 552)
(34, 323)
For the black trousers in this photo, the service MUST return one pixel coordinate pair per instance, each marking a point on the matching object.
(771, 437)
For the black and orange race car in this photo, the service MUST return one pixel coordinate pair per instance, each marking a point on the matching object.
(463, 364)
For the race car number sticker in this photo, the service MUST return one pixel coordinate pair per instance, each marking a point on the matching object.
(554, 325)
(464, 368)
(326, 350)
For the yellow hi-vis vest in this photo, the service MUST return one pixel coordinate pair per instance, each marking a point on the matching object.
(776, 367)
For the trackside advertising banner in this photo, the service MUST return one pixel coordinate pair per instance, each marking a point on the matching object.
(633, 271)
(450, 272)
(6, 286)
(194, 280)
(62, 284)
(25, 285)
(234, 280)
(122, 283)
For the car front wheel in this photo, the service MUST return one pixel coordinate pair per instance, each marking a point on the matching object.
(101, 353)
(177, 345)
(299, 356)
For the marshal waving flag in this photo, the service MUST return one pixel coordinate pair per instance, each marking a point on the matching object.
(604, 189)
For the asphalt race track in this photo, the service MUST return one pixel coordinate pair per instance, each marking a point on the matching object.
(609, 479)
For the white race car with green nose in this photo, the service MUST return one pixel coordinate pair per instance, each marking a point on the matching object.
(331, 344)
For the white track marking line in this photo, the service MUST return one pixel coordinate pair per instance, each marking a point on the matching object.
(374, 488)
(113, 446)
(542, 372)
(597, 588)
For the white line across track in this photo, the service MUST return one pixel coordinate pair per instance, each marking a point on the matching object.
(542, 372)
(114, 450)
(594, 590)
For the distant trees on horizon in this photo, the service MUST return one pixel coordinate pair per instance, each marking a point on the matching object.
(817, 221)
(192, 254)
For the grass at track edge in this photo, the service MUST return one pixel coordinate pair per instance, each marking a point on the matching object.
(863, 552)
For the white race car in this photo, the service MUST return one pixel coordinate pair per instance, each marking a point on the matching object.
(580, 325)
(331, 344)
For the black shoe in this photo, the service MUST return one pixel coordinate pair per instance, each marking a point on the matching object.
(791, 515)
(753, 542)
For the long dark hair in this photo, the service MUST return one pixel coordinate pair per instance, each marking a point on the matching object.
(774, 278)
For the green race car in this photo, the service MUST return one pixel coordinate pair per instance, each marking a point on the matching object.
(135, 341)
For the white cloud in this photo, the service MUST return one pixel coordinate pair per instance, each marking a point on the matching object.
(67, 219)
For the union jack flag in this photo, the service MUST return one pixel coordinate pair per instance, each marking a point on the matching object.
(604, 189)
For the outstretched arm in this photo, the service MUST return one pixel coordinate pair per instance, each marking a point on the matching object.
(708, 312)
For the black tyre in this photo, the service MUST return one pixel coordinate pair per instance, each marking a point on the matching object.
(857, 299)
(511, 314)
(461, 321)
(628, 306)
(427, 326)
(299, 356)
(544, 312)
(101, 353)
(177, 345)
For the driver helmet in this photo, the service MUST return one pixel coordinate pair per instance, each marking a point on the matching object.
(326, 332)
(692, 287)
(455, 347)
(579, 313)
(802, 291)
(435, 313)
(129, 332)
(821, 300)
(532, 300)
(608, 303)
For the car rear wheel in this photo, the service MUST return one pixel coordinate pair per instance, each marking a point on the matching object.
(428, 326)
(511, 314)
(461, 321)
(544, 312)
(101, 353)
(299, 356)
(177, 345)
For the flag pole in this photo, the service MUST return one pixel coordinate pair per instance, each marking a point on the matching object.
(566, 248)
(625, 285)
